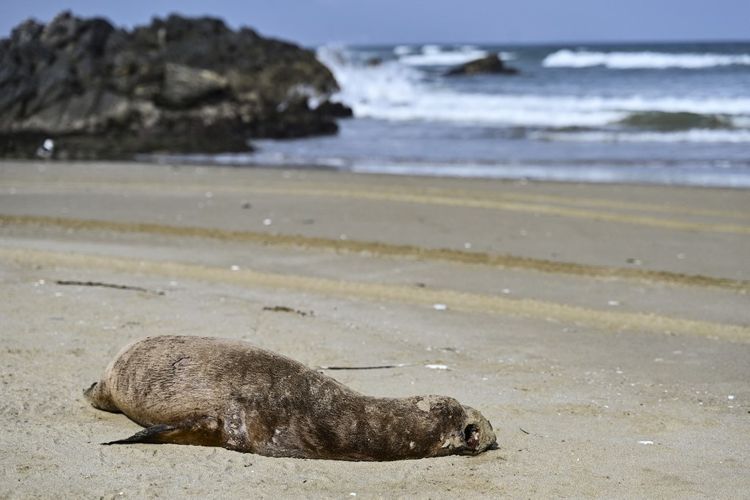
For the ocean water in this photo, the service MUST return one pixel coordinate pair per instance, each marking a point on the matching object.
(648, 113)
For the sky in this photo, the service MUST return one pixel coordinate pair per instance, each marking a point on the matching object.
(312, 22)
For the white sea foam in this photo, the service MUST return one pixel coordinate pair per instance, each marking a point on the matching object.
(402, 50)
(645, 60)
(488, 109)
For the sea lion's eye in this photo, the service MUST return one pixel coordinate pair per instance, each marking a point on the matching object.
(471, 436)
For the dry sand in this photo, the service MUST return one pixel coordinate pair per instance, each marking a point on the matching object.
(604, 330)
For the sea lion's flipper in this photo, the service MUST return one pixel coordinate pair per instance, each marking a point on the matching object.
(153, 434)
(204, 432)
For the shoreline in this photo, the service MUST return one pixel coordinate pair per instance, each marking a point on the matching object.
(429, 172)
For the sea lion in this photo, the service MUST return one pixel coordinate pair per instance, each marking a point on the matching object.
(229, 393)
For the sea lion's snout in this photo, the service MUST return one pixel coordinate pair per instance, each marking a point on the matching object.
(471, 436)
(478, 434)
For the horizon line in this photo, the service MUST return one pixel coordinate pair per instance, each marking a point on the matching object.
(543, 42)
(383, 43)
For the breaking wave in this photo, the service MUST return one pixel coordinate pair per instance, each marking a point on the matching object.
(394, 91)
(566, 58)
(434, 55)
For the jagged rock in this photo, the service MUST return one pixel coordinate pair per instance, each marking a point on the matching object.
(178, 85)
(489, 64)
(184, 86)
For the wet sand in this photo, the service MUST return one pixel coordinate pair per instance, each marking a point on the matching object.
(604, 330)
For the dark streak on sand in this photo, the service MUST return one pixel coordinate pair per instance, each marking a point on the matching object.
(107, 285)
(378, 367)
(386, 250)
(287, 310)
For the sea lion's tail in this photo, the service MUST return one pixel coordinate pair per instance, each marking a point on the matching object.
(98, 395)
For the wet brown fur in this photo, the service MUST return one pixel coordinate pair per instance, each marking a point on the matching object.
(220, 392)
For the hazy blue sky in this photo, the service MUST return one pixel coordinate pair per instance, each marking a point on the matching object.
(383, 21)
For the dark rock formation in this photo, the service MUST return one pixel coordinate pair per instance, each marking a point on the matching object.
(488, 64)
(335, 109)
(177, 85)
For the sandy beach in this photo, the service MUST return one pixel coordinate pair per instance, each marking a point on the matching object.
(604, 330)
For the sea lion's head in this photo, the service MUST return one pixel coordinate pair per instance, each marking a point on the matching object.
(477, 434)
(455, 429)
